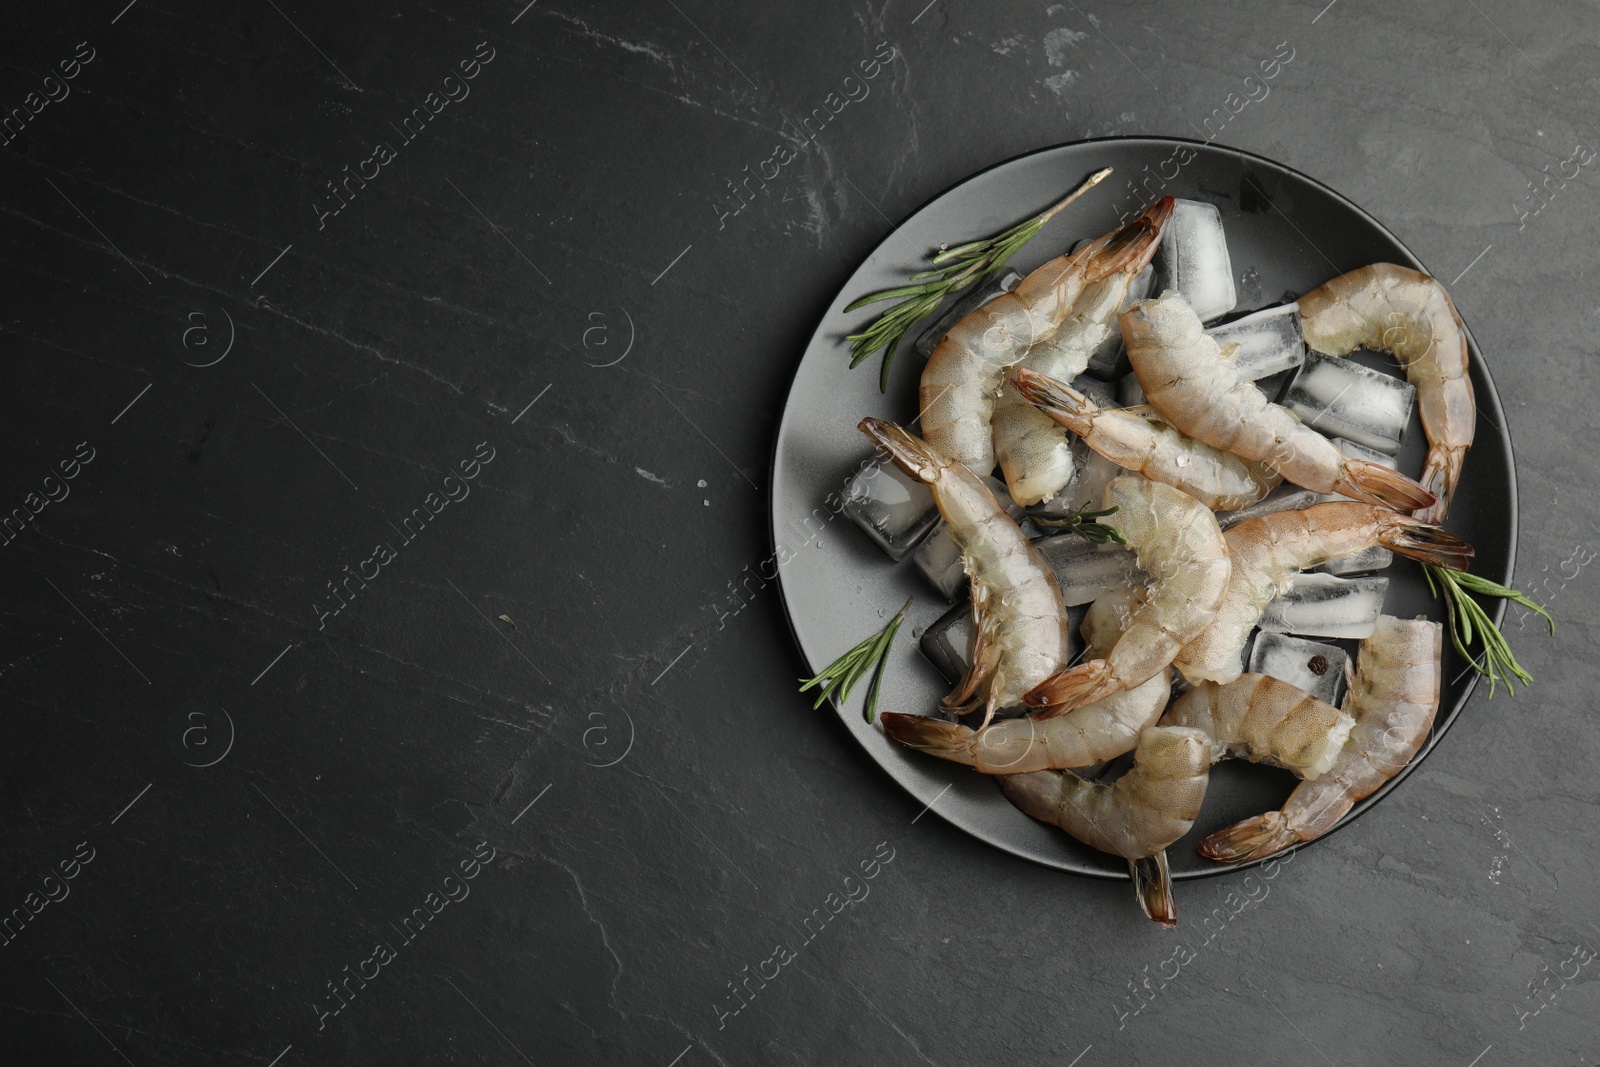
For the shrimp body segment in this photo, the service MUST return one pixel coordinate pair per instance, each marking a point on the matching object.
(1035, 456)
(1196, 389)
(1408, 314)
(1394, 699)
(964, 373)
(1268, 552)
(1219, 480)
(1138, 816)
(1097, 732)
(1264, 720)
(1021, 625)
(1180, 546)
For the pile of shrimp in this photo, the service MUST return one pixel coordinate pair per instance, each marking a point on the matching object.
(1160, 674)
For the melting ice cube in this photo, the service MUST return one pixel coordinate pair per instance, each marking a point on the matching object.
(968, 302)
(1193, 259)
(1317, 668)
(1130, 392)
(1087, 571)
(1269, 341)
(947, 644)
(1324, 605)
(1344, 399)
(895, 509)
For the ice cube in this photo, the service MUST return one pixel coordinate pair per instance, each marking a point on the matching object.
(1086, 489)
(1324, 605)
(965, 305)
(895, 509)
(1102, 393)
(947, 643)
(1130, 392)
(1269, 341)
(1344, 399)
(1087, 571)
(939, 558)
(1317, 668)
(1193, 259)
(1284, 498)
(1110, 359)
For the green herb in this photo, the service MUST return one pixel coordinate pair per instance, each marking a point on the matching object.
(507, 618)
(954, 269)
(1468, 620)
(840, 676)
(1085, 525)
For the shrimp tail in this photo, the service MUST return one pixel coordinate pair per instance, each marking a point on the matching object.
(1133, 246)
(905, 449)
(1064, 404)
(947, 740)
(1440, 473)
(1069, 689)
(1424, 542)
(1253, 838)
(1152, 884)
(1373, 483)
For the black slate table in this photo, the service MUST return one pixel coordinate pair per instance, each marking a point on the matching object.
(389, 398)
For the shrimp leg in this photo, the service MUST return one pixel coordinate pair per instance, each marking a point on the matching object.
(1147, 809)
(1219, 480)
(964, 373)
(1022, 634)
(1180, 546)
(1394, 700)
(1268, 552)
(1408, 314)
(1194, 388)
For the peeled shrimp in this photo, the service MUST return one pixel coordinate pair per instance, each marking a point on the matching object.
(963, 374)
(1180, 546)
(1147, 809)
(1268, 552)
(1094, 733)
(1196, 389)
(1394, 699)
(1264, 720)
(1020, 623)
(1035, 456)
(1409, 315)
(1219, 480)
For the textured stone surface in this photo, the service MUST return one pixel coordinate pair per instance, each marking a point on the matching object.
(565, 237)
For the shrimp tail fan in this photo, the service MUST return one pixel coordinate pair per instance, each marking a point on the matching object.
(1253, 838)
(1152, 884)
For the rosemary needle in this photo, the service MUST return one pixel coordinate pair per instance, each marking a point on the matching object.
(840, 676)
(954, 269)
(1085, 524)
(1468, 621)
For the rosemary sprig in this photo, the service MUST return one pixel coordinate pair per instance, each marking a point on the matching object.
(1468, 620)
(1085, 524)
(954, 269)
(840, 676)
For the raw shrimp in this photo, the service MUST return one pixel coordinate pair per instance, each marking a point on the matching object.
(1096, 732)
(1218, 479)
(1264, 720)
(1268, 552)
(963, 374)
(1394, 699)
(1196, 389)
(1409, 315)
(1147, 809)
(1179, 545)
(1020, 623)
(1034, 455)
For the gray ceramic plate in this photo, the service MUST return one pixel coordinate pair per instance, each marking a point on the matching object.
(1286, 234)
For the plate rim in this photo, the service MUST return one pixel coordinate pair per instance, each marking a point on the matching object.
(1496, 611)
